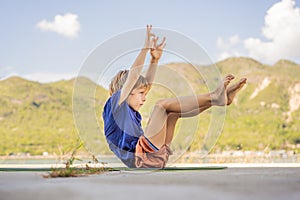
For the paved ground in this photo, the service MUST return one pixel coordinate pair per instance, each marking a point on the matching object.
(231, 183)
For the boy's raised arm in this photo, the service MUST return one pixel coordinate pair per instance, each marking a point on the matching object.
(156, 53)
(137, 66)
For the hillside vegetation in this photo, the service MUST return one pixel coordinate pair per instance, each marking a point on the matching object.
(37, 118)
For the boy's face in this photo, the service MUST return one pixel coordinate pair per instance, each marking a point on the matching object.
(137, 98)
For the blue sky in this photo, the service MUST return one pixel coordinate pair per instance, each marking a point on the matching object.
(32, 47)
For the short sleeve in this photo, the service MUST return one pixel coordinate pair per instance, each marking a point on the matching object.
(125, 117)
(115, 101)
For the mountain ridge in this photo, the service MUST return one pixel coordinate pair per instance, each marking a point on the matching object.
(37, 117)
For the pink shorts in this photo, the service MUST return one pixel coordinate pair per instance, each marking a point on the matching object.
(147, 157)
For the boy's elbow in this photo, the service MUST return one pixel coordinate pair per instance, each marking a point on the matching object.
(133, 75)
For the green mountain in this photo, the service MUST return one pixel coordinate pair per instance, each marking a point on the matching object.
(37, 118)
(267, 112)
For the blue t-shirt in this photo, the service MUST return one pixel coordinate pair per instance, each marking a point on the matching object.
(122, 128)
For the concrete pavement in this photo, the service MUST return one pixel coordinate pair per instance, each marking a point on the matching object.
(232, 183)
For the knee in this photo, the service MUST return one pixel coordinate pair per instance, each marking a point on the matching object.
(173, 116)
(161, 103)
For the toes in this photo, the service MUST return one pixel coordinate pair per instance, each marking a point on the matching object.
(229, 77)
(226, 82)
(243, 80)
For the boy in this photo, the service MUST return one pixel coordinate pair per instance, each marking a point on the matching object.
(122, 121)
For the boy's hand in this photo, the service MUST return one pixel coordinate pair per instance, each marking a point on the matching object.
(149, 40)
(156, 50)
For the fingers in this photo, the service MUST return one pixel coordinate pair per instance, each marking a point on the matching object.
(153, 39)
(155, 42)
(152, 44)
(149, 27)
(162, 44)
(149, 34)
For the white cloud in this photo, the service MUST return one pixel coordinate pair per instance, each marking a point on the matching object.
(223, 44)
(220, 43)
(228, 54)
(5, 71)
(66, 25)
(233, 40)
(48, 77)
(3, 77)
(282, 29)
(281, 36)
(42, 77)
(229, 47)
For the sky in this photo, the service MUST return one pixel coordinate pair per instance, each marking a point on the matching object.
(49, 40)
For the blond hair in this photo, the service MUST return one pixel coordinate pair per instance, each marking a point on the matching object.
(120, 78)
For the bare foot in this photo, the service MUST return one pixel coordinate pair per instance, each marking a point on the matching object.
(233, 90)
(219, 96)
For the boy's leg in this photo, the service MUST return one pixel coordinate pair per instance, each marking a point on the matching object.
(231, 92)
(166, 134)
(234, 89)
(164, 111)
(194, 112)
(189, 103)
